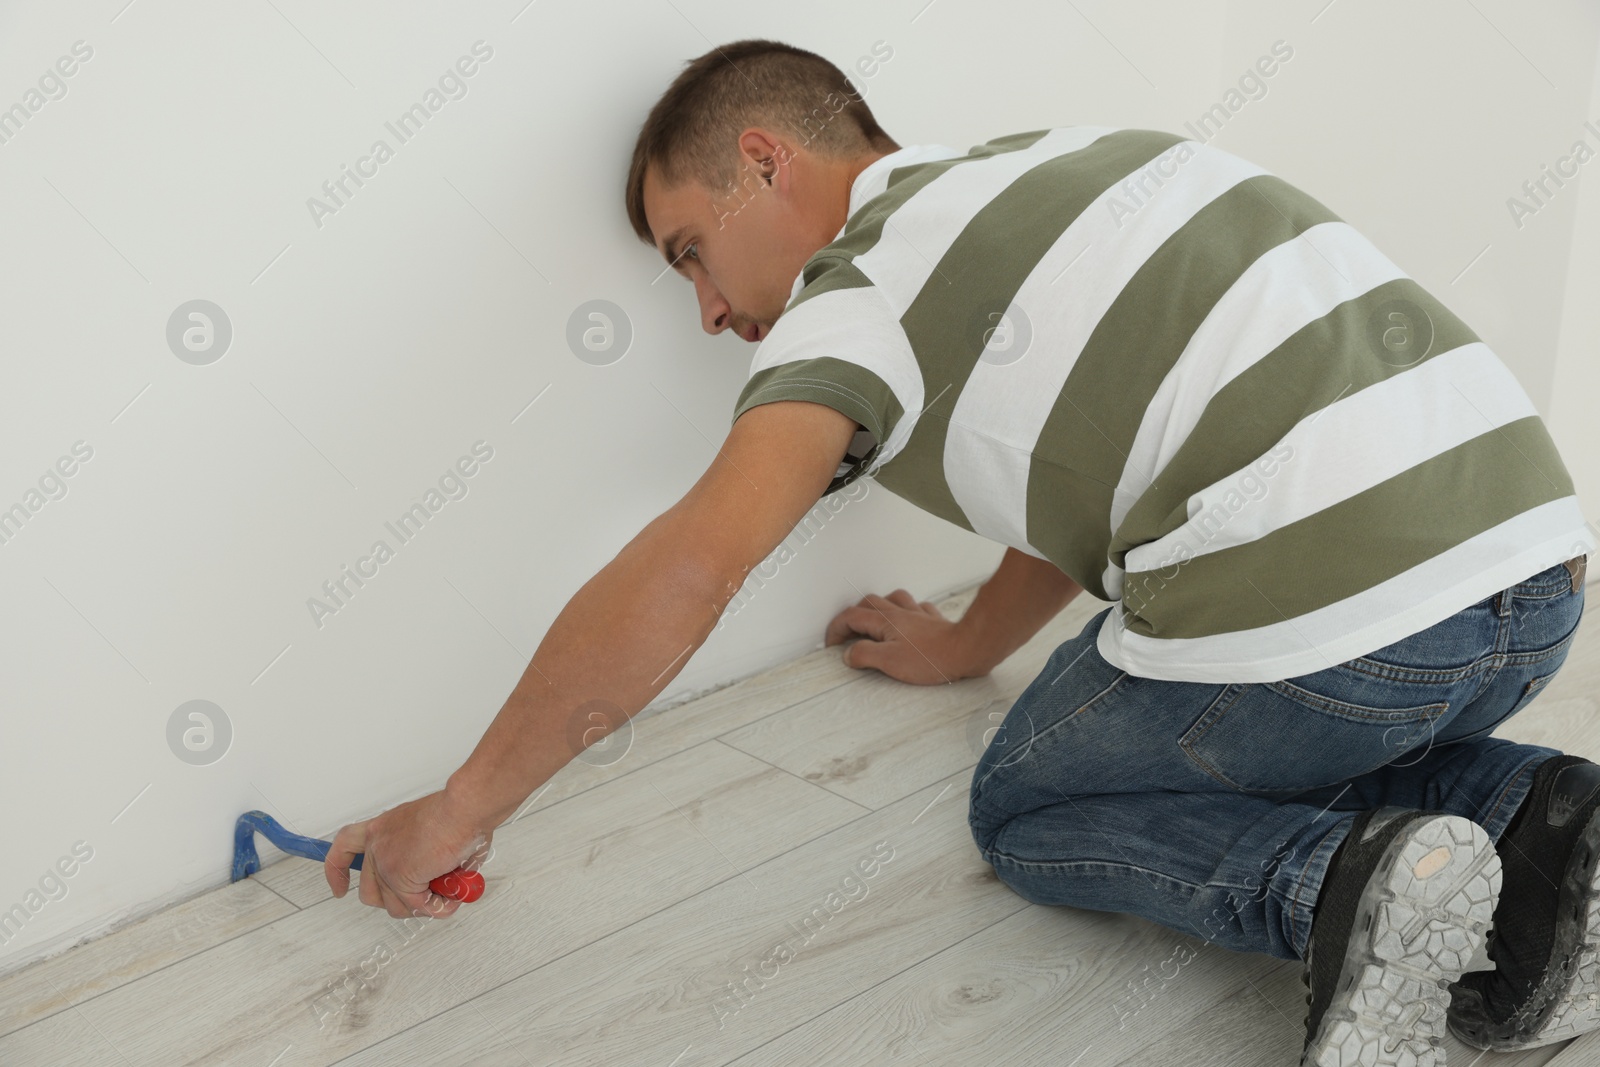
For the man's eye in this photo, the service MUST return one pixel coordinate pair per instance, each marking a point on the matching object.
(692, 248)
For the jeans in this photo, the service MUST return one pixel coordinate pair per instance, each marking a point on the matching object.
(1214, 809)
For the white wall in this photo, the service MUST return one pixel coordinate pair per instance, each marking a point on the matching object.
(1577, 372)
(370, 352)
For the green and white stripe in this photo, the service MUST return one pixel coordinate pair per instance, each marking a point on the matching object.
(1202, 424)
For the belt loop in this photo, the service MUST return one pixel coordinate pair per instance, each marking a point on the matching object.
(1502, 601)
(1576, 567)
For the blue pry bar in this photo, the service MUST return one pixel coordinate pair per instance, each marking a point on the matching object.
(245, 860)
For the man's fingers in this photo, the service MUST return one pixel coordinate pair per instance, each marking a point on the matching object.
(388, 897)
(869, 622)
(839, 627)
(347, 843)
(384, 893)
(903, 598)
(423, 904)
(853, 621)
(430, 905)
(870, 616)
(864, 655)
(368, 888)
(381, 892)
(837, 630)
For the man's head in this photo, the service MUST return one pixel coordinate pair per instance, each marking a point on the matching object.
(743, 169)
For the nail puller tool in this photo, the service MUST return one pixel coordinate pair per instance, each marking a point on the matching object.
(460, 884)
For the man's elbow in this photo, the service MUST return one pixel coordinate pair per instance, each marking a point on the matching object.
(703, 568)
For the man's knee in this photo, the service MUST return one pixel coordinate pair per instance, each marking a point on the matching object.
(983, 824)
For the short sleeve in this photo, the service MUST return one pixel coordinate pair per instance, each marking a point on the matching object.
(839, 343)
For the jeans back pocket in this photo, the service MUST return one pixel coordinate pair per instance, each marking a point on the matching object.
(1277, 737)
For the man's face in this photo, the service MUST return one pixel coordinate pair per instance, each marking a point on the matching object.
(744, 247)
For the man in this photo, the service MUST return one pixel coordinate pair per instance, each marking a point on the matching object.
(1342, 547)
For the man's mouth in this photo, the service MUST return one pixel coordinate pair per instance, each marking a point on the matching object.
(754, 332)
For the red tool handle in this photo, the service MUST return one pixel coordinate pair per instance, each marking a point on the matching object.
(460, 884)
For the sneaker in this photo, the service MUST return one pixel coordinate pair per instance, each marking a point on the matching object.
(1546, 983)
(1404, 907)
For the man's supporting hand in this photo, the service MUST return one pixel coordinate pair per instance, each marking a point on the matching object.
(913, 642)
(904, 639)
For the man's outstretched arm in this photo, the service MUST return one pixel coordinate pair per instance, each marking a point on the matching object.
(618, 642)
(629, 630)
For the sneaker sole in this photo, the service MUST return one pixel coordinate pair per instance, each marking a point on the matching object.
(1424, 913)
(1566, 1002)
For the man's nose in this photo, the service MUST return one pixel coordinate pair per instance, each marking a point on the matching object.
(715, 313)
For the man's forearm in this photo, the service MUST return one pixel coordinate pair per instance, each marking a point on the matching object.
(618, 642)
(1013, 605)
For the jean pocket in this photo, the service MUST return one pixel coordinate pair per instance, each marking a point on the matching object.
(1277, 737)
(1534, 687)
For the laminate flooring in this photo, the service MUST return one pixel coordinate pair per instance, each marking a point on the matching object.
(634, 905)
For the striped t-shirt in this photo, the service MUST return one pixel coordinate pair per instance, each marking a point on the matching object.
(1183, 381)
